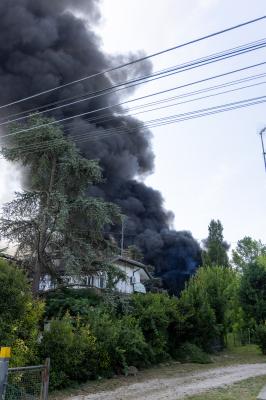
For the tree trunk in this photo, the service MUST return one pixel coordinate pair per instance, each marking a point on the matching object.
(36, 277)
(41, 246)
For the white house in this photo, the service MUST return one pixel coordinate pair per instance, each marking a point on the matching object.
(135, 272)
(136, 275)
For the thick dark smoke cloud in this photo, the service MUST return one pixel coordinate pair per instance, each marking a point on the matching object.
(45, 43)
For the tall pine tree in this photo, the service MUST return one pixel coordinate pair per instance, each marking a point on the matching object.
(53, 222)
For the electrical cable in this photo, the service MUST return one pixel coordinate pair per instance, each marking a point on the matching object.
(131, 100)
(102, 119)
(167, 120)
(148, 78)
(215, 94)
(137, 60)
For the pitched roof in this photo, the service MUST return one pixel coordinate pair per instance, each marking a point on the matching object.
(133, 262)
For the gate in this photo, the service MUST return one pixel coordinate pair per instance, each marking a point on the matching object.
(28, 383)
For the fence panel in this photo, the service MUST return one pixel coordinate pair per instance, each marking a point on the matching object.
(28, 383)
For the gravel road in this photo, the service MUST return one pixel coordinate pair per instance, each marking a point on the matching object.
(180, 386)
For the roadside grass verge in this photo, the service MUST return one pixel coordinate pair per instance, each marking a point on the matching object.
(244, 390)
(249, 354)
(238, 355)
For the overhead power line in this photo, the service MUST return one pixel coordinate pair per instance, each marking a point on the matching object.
(203, 61)
(101, 119)
(175, 118)
(200, 62)
(130, 101)
(136, 61)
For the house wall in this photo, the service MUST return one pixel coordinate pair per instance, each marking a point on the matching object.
(133, 278)
(127, 286)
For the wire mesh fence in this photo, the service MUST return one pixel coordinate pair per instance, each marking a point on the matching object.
(244, 337)
(28, 383)
(241, 338)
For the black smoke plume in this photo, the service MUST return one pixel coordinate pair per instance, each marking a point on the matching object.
(46, 43)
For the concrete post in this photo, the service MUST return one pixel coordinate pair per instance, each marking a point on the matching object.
(45, 380)
(4, 361)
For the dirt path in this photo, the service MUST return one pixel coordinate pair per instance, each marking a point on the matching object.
(180, 386)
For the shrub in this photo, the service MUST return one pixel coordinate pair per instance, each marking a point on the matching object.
(189, 352)
(82, 351)
(120, 341)
(261, 338)
(131, 344)
(20, 315)
(72, 301)
(104, 328)
(72, 350)
(159, 320)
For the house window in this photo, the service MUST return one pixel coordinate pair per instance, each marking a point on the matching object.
(133, 280)
(102, 282)
(90, 280)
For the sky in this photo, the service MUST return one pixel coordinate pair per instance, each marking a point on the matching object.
(209, 167)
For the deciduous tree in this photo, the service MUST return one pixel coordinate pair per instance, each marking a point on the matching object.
(207, 304)
(253, 292)
(215, 252)
(247, 251)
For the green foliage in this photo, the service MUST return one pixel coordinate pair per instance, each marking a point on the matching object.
(234, 312)
(19, 315)
(206, 303)
(159, 320)
(102, 336)
(117, 304)
(189, 352)
(253, 292)
(261, 337)
(75, 302)
(247, 251)
(55, 219)
(215, 252)
(120, 340)
(200, 323)
(72, 350)
(137, 331)
(80, 351)
(131, 343)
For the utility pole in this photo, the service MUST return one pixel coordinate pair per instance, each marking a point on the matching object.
(262, 132)
(122, 234)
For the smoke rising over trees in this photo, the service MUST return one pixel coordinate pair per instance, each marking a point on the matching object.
(44, 44)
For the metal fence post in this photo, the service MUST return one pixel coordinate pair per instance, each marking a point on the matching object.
(4, 361)
(45, 378)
